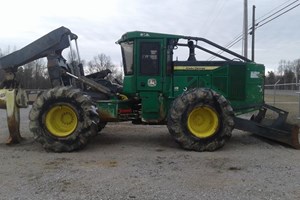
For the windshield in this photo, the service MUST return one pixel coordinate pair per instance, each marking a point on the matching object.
(127, 54)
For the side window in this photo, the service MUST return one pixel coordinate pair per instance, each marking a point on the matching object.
(149, 58)
(127, 55)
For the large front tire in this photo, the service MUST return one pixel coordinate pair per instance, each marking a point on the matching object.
(62, 119)
(201, 120)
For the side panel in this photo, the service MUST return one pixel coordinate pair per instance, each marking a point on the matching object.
(115, 110)
(188, 75)
(184, 83)
(153, 107)
(129, 83)
(240, 83)
(230, 81)
(255, 84)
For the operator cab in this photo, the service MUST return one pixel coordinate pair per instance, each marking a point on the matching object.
(147, 60)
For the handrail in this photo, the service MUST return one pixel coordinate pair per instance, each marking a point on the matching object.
(217, 46)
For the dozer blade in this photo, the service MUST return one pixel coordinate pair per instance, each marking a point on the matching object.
(275, 129)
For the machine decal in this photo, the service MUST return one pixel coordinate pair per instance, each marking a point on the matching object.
(144, 34)
(255, 74)
(200, 68)
(152, 82)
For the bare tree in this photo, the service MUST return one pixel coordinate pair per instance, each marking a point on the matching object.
(281, 67)
(271, 78)
(34, 75)
(99, 63)
(103, 62)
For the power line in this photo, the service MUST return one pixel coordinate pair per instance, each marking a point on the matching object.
(277, 16)
(219, 8)
(278, 11)
(274, 9)
(239, 37)
(232, 43)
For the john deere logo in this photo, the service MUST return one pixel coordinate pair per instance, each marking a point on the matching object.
(152, 82)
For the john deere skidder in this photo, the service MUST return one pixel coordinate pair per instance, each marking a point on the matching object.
(199, 101)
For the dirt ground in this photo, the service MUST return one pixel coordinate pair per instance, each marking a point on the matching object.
(143, 162)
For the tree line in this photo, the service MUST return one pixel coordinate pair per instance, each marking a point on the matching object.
(34, 75)
(287, 72)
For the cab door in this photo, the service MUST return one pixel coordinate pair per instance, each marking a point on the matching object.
(149, 79)
(149, 65)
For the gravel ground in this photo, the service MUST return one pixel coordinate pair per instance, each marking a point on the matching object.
(143, 162)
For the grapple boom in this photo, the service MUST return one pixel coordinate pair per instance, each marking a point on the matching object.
(55, 41)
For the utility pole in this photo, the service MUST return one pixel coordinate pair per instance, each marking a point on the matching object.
(245, 28)
(253, 31)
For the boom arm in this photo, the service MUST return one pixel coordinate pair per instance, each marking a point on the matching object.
(55, 41)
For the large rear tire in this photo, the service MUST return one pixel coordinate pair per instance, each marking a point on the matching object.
(62, 119)
(201, 120)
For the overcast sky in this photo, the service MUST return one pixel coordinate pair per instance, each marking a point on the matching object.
(100, 23)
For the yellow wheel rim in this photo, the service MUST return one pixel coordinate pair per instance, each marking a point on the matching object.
(203, 122)
(61, 120)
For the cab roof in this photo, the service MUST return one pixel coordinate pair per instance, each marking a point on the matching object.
(149, 35)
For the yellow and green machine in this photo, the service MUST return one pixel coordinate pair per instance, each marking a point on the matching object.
(199, 100)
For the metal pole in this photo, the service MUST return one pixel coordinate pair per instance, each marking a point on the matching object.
(71, 49)
(77, 50)
(253, 31)
(246, 28)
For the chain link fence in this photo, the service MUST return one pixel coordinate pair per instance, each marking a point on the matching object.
(285, 96)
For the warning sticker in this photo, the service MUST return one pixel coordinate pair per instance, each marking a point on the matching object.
(255, 74)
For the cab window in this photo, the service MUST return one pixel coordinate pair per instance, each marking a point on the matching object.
(127, 54)
(149, 58)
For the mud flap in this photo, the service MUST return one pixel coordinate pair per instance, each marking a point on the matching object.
(8, 102)
(21, 98)
(275, 129)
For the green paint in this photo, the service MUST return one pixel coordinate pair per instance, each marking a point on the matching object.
(153, 78)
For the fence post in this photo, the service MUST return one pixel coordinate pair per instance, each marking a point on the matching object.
(298, 100)
(274, 92)
(298, 105)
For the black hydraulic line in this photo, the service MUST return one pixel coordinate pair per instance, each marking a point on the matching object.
(93, 84)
